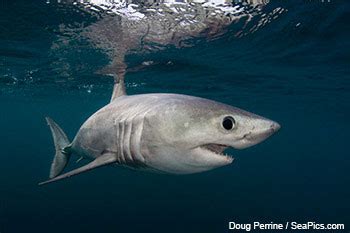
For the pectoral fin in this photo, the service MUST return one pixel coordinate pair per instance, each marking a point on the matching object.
(103, 160)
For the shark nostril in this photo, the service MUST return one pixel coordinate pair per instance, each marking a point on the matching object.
(246, 135)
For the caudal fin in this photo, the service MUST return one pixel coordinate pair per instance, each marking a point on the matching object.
(61, 142)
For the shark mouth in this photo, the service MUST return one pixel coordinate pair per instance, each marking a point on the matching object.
(217, 149)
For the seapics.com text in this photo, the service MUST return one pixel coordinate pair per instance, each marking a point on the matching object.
(285, 226)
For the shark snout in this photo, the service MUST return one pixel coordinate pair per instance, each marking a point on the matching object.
(259, 130)
(263, 130)
(275, 127)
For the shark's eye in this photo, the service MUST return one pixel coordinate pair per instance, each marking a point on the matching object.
(228, 123)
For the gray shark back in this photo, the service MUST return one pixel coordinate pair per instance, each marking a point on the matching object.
(120, 125)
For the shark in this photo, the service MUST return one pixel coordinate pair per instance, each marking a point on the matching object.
(158, 132)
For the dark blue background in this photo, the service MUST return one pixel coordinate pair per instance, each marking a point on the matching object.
(296, 75)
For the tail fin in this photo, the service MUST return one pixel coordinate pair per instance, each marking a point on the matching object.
(61, 142)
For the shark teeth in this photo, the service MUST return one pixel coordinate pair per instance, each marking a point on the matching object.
(217, 149)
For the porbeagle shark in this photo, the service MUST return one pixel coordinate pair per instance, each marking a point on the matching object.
(167, 133)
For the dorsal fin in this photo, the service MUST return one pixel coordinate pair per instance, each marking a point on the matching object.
(119, 84)
(116, 69)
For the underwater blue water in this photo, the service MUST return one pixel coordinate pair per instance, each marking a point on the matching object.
(294, 70)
